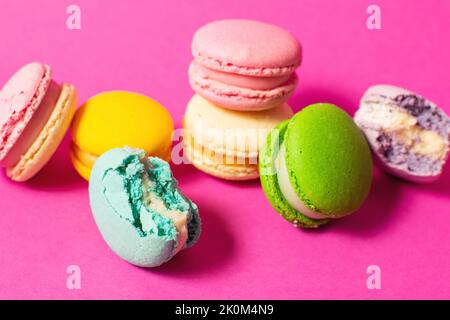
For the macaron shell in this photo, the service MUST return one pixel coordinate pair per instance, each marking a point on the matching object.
(20, 97)
(240, 98)
(269, 180)
(246, 47)
(328, 160)
(206, 161)
(120, 235)
(401, 173)
(49, 139)
(166, 155)
(81, 161)
(121, 119)
(84, 161)
(150, 251)
(384, 90)
(398, 171)
(238, 133)
(87, 159)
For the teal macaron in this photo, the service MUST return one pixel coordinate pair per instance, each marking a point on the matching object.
(139, 209)
(316, 167)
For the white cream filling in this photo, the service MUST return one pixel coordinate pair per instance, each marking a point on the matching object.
(384, 116)
(178, 218)
(401, 125)
(288, 191)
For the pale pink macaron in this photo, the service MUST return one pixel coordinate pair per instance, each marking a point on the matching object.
(244, 65)
(35, 113)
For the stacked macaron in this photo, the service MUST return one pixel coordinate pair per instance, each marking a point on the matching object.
(243, 72)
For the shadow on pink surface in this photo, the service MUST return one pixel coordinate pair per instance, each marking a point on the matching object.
(310, 95)
(378, 211)
(184, 172)
(441, 186)
(58, 174)
(247, 184)
(211, 253)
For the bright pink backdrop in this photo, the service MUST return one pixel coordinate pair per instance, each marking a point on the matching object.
(246, 250)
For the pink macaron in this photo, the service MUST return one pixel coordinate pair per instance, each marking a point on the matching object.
(35, 113)
(244, 65)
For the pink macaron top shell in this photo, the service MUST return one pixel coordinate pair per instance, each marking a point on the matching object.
(19, 100)
(246, 47)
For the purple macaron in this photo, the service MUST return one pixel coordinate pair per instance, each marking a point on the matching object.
(409, 135)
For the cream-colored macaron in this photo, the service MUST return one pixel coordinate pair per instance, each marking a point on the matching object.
(225, 143)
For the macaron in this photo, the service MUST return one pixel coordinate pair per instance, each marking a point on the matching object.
(316, 166)
(225, 143)
(35, 113)
(244, 64)
(139, 209)
(408, 134)
(116, 119)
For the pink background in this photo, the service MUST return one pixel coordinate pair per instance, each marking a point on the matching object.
(246, 250)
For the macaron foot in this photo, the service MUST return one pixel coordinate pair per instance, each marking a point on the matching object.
(269, 180)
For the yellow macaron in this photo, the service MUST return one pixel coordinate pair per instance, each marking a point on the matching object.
(116, 119)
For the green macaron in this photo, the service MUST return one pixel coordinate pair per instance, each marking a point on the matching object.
(316, 166)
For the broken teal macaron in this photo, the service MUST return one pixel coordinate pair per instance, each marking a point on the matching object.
(139, 209)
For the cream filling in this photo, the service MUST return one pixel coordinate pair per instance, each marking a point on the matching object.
(178, 218)
(288, 191)
(403, 127)
(385, 116)
(422, 142)
(242, 81)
